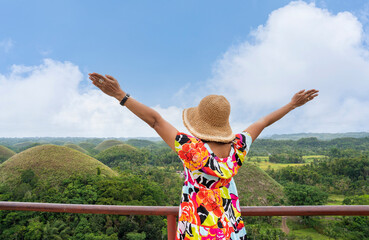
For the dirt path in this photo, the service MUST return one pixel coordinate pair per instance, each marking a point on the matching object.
(285, 228)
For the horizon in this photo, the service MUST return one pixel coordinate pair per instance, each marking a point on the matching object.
(159, 139)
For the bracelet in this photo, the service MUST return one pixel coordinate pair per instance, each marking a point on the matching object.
(124, 99)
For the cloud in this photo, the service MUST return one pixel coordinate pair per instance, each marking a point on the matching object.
(6, 45)
(45, 100)
(301, 46)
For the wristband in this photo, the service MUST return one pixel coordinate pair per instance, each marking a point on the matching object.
(124, 99)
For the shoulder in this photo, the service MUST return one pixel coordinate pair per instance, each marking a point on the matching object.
(191, 151)
(243, 141)
(183, 138)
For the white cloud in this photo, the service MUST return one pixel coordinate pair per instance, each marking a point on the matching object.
(6, 45)
(44, 100)
(300, 47)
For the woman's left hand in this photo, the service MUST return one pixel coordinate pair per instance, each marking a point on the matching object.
(302, 97)
(108, 84)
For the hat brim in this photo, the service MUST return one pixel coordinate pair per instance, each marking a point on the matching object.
(205, 131)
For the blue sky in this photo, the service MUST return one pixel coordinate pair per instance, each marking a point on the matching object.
(159, 50)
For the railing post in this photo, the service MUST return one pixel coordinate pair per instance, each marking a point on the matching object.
(171, 227)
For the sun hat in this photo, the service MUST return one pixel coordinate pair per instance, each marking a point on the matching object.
(209, 121)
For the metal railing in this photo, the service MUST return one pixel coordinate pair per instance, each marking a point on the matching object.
(172, 212)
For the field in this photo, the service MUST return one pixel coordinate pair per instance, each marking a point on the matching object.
(308, 232)
(263, 162)
(334, 199)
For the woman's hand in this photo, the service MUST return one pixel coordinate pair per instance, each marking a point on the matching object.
(302, 97)
(108, 84)
(297, 100)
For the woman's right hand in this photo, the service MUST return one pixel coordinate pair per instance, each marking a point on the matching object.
(108, 84)
(302, 97)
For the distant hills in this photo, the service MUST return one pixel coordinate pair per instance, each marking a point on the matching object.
(5, 153)
(320, 136)
(20, 144)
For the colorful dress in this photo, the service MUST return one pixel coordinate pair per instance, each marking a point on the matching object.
(210, 207)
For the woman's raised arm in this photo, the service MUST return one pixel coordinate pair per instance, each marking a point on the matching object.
(110, 86)
(299, 99)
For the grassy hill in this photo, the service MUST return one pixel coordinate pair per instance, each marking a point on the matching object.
(19, 147)
(256, 188)
(5, 153)
(52, 163)
(139, 142)
(107, 144)
(119, 154)
(76, 147)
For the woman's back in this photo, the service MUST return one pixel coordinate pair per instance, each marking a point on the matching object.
(220, 150)
(209, 205)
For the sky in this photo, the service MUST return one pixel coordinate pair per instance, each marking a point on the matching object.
(171, 54)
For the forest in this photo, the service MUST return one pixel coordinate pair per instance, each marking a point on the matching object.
(307, 171)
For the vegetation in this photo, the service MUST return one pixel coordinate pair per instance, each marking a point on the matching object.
(19, 147)
(89, 147)
(286, 158)
(5, 153)
(76, 147)
(145, 173)
(123, 156)
(257, 188)
(107, 144)
(308, 146)
(52, 163)
(87, 189)
(320, 136)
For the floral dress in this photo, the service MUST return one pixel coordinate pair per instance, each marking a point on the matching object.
(210, 207)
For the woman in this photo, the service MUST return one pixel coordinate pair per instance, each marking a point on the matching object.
(211, 157)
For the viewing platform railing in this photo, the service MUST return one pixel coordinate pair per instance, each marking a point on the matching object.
(172, 212)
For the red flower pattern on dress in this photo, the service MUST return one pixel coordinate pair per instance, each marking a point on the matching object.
(188, 213)
(194, 155)
(211, 200)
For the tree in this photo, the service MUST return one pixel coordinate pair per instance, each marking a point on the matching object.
(299, 194)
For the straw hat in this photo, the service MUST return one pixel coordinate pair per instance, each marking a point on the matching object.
(209, 121)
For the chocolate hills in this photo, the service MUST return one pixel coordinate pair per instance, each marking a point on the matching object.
(256, 188)
(5, 153)
(76, 147)
(107, 144)
(52, 163)
(122, 153)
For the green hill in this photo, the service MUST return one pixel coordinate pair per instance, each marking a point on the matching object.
(320, 136)
(52, 163)
(256, 188)
(121, 155)
(140, 142)
(107, 144)
(19, 147)
(76, 147)
(5, 153)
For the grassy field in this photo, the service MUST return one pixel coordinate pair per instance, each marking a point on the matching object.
(311, 158)
(308, 232)
(263, 162)
(300, 231)
(334, 199)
